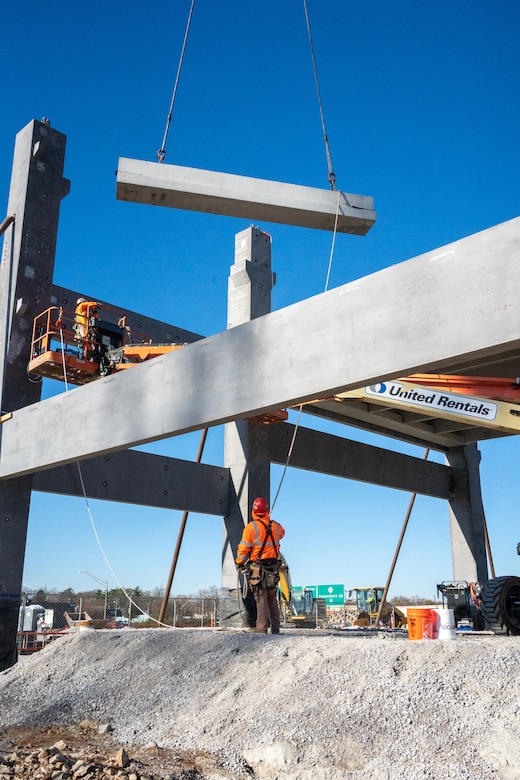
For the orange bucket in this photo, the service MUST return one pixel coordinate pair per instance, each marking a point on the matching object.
(420, 623)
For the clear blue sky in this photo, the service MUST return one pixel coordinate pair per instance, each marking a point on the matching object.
(422, 112)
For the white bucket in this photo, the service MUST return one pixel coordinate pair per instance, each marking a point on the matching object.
(444, 624)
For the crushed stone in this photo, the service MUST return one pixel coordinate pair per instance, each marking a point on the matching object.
(304, 705)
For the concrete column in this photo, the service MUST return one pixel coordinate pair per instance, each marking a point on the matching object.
(37, 188)
(246, 444)
(468, 545)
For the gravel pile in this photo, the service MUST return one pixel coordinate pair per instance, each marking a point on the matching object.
(304, 705)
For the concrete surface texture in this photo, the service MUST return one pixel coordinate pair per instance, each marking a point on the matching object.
(301, 705)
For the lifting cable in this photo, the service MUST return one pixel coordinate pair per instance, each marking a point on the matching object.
(332, 175)
(161, 154)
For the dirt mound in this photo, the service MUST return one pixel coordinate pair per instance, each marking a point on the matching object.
(298, 706)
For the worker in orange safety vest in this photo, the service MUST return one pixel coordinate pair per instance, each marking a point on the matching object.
(259, 548)
(84, 313)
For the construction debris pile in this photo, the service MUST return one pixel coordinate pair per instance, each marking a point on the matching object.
(304, 705)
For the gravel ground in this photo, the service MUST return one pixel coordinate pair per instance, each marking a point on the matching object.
(305, 705)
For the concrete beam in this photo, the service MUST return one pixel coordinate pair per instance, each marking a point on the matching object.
(192, 189)
(338, 457)
(317, 348)
(132, 477)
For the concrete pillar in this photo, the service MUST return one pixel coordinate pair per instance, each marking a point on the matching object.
(246, 444)
(468, 545)
(37, 188)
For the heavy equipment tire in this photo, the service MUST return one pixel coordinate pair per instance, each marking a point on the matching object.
(501, 605)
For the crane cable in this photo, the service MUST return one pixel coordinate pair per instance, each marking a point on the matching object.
(332, 175)
(161, 154)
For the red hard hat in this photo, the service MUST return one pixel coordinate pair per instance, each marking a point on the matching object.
(260, 506)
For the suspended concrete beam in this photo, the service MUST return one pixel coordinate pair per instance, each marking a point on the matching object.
(193, 189)
(405, 319)
(133, 477)
(339, 457)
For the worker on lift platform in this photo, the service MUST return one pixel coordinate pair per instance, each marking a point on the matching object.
(85, 317)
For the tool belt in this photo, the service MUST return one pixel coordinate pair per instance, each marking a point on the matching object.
(265, 573)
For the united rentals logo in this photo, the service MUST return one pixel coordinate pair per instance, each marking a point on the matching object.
(449, 402)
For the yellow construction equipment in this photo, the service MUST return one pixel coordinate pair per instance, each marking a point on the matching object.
(364, 614)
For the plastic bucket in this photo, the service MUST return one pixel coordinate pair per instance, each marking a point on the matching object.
(445, 626)
(420, 623)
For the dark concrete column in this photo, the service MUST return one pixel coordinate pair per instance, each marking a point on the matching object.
(468, 544)
(37, 188)
(246, 443)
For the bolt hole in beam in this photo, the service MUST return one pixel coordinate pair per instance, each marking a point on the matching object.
(193, 189)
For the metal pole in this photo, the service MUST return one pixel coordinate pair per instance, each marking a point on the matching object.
(182, 528)
(398, 549)
(5, 224)
(488, 548)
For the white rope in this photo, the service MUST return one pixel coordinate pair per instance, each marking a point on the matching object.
(89, 511)
(291, 446)
(333, 243)
(288, 456)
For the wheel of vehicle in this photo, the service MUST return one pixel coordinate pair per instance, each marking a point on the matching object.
(501, 605)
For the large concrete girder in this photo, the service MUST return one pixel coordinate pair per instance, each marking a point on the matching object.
(338, 457)
(192, 189)
(305, 337)
(141, 478)
(335, 341)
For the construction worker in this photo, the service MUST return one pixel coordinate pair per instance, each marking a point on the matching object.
(84, 313)
(259, 548)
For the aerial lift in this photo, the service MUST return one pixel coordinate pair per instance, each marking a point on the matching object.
(80, 352)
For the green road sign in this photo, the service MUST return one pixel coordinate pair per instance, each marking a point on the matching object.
(333, 594)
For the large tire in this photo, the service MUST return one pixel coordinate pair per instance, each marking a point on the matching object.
(501, 605)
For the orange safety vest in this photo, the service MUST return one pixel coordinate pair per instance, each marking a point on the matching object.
(255, 535)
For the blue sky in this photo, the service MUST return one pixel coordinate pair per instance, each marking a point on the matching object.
(422, 112)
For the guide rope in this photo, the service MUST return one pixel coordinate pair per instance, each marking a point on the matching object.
(89, 511)
(297, 424)
(161, 154)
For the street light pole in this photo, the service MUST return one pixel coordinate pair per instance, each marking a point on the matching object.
(102, 582)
